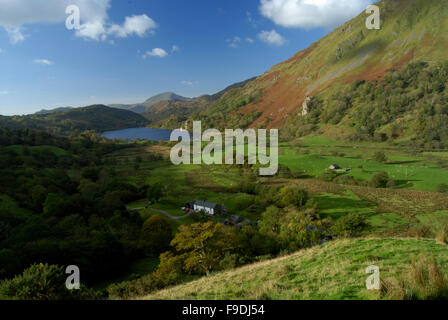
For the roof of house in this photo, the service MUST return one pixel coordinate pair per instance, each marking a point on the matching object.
(205, 204)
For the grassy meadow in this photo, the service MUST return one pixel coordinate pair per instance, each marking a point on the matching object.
(336, 270)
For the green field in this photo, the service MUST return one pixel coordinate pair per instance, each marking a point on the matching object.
(389, 212)
(316, 154)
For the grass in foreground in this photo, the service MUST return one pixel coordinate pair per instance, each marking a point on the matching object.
(333, 271)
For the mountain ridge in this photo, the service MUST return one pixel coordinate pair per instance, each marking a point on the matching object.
(98, 118)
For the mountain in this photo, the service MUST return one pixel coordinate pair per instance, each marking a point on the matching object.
(62, 109)
(173, 113)
(339, 72)
(144, 106)
(167, 96)
(98, 118)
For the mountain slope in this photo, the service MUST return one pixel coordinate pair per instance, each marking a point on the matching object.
(411, 31)
(336, 270)
(98, 118)
(45, 111)
(145, 106)
(173, 113)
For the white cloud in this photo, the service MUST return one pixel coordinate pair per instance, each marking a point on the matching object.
(272, 38)
(1, 50)
(235, 42)
(175, 49)
(95, 24)
(138, 25)
(312, 13)
(187, 83)
(250, 40)
(94, 30)
(43, 62)
(15, 34)
(3, 93)
(156, 52)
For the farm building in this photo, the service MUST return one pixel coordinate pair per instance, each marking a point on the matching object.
(209, 208)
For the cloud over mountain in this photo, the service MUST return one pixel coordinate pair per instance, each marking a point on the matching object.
(311, 13)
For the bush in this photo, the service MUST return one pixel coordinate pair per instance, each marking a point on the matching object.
(328, 175)
(350, 225)
(379, 180)
(380, 156)
(442, 188)
(156, 235)
(168, 273)
(424, 281)
(43, 282)
(347, 180)
(291, 196)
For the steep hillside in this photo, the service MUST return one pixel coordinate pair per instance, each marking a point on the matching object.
(98, 118)
(336, 270)
(411, 31)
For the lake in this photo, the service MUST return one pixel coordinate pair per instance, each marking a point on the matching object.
(139, 133)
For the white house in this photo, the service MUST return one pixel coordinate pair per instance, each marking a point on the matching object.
(209, 208)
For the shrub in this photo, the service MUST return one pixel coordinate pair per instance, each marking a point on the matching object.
(43, 282)
(156, 235)
(168, 273)
(347, 180)
(380, 156)
(291, 196)
(424, 281)
(442, 188)
(350, 225)
(379, 180)
(328, 175)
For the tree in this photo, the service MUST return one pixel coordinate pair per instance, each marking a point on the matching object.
(302, 228)
(380, 156)
(291, 196)
(204, 245)
(350, 225)
(156, 235)
(155, 192)
(271, 221)
(379, 180)
(91, 173)
(55, 205)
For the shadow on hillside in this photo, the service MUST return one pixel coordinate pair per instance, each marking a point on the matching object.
(345, 205)
(403, 162)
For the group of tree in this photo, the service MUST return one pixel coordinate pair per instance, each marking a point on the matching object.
(70, 206)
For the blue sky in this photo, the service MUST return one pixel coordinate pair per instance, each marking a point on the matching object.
(127, 51)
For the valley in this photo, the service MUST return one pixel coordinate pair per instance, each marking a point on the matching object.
(362, 179)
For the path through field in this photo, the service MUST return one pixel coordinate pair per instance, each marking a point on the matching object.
(162, 212)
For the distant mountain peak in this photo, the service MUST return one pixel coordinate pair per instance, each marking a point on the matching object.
(166, 96)
(48, 111)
